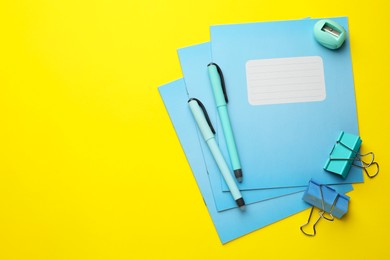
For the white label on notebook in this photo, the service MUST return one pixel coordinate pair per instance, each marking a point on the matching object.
(285, 80)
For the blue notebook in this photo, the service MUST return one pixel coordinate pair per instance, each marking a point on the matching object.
(194, 60)
(289, 98)
(229, 224)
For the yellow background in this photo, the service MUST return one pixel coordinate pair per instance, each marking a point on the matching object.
(90, 165)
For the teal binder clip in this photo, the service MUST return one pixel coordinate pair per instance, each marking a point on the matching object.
(327, 200)
(345, 154)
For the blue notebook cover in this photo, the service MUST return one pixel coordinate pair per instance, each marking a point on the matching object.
(229, 224)
(194, 60)
(285, 144)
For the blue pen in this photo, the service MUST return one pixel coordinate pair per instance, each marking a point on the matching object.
(221, 99)
(207, 130)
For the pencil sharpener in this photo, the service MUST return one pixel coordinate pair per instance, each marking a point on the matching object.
(329, 34)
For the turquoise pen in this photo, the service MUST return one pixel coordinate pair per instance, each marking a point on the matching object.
(200, 114)
(221, 99)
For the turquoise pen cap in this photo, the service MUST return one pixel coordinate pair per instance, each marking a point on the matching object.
(217, 84)
(329, 34)
(202, 119)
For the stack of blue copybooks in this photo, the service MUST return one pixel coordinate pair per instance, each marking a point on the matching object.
(284, 125)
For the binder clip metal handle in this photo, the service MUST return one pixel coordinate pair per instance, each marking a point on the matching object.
(314, 225)
(359, 157)
(366, 165)
(377, 170)
(321, 214)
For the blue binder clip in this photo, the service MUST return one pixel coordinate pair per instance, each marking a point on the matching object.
(345, 153)
(327, 200)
